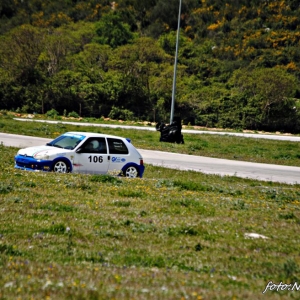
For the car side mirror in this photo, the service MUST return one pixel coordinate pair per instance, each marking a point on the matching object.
(79, 150)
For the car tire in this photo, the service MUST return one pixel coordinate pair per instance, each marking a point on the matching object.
(60, 167)
(131, 172)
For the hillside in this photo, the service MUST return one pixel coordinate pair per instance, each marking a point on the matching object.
(238, 65)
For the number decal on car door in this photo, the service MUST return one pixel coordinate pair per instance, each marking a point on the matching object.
(95, 159)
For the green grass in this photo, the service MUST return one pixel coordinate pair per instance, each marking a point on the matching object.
(228, 147)
(170, 235)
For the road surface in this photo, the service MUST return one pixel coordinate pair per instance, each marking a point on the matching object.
(223, 167)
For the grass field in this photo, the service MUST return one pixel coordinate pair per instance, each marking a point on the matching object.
(171, 235)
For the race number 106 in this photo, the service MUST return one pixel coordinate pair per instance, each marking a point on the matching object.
(95, 159)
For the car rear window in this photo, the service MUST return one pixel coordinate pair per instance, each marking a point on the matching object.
(117, 146)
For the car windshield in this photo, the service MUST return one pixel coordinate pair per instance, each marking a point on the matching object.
(67, 141)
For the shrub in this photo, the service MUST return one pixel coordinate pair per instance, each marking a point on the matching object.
(123, 114)
(52, 113)
(73, 114)
(104, 178)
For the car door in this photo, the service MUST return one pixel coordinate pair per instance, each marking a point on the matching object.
(92, 157)
(119, 154)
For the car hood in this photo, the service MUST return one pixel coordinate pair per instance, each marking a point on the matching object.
(42, 151)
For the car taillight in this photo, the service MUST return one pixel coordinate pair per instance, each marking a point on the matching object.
(141, 162)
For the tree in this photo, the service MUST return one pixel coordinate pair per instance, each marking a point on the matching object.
(137, 64)
(93, 61)
(20, 52)
(271, 92)
(112, 31)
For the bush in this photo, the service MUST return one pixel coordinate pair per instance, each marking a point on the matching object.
(123, 114)
(73, 114)
(52, 113)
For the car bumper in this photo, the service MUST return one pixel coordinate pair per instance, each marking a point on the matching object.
(141, 171)
(31, 164)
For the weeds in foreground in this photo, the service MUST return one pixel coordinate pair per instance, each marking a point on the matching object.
(170, 235)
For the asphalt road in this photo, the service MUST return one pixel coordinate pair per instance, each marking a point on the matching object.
(223, 167)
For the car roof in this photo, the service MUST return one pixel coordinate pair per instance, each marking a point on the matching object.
(93, 134)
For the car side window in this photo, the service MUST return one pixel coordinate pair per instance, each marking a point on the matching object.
(117, 146)
(94, 145)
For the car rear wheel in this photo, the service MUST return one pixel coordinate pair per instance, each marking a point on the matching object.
(131, 172)
(60, 167)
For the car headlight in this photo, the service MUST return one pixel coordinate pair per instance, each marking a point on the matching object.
(41, 156)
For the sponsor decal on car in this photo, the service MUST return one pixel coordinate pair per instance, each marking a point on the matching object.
(116, 159)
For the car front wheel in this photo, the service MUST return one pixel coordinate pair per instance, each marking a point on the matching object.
(60, 167)
(131, 172)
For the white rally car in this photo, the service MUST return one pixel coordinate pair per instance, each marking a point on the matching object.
(83, 152)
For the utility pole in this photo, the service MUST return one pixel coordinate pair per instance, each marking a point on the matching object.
(175, 66)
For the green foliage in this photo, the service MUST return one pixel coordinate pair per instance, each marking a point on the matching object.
(290, 270)
(52, 113)
(238, 64)
(192, 186)
(122, 203)
(73, 114)
(105, 179)
(269, 98)
(58, 208)
(55, 229)
(120, 114)
(5, 188)
(112, 31)
(126, 193)
(9, 250)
